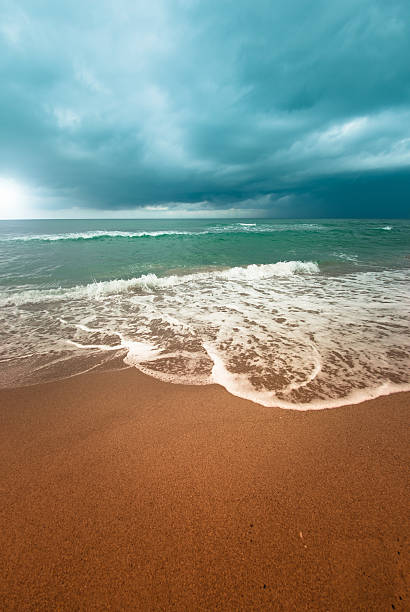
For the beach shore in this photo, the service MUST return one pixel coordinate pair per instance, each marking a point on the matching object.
(120, 492)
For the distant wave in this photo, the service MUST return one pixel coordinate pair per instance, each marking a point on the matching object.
(152, 282)
(240, 228)
(386, 227)
(92, 235)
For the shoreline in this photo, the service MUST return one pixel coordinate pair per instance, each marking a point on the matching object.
(353, 399)
(124, 492)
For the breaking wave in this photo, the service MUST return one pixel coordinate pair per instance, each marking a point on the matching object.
(240, 228)
(92, 235)
(152, 282)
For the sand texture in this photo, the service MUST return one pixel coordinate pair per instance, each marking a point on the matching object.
(120, 492)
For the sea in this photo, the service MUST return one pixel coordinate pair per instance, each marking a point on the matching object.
(298, 314)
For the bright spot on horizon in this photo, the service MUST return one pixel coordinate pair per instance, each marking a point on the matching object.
(12, 199)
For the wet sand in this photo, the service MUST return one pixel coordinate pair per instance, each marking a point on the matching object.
(120, 492)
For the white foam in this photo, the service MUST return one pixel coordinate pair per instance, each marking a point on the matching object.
(387, 227)
(139, 351)
(100, 347)
(355, 397)
(239, 385)
(282, 268)
(92, 235)
(279, 334)
(236, 383)
(317, 368)
(346, 257)
(101, 234)
(150, 282)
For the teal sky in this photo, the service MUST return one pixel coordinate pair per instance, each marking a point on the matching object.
(211, 108)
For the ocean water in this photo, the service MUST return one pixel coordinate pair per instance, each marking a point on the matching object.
(304, 314)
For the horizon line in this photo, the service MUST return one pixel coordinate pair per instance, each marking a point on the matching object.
(201, 218)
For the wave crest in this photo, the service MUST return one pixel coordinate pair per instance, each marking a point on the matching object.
(237, 228)
(281, 268)
(92, 235)
(152, 282)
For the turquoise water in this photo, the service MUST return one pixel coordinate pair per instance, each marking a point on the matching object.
(298, 314)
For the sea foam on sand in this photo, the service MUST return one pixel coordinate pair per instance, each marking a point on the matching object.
(280, 334)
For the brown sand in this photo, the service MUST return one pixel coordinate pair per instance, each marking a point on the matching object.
(120, 492)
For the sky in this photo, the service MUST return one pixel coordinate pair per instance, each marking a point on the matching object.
(179, 108)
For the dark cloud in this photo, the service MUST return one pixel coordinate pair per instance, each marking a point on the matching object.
(289, 108)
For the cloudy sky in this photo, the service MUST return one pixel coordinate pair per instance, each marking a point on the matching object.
(214, 107)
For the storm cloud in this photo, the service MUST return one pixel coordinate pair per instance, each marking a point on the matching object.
(281, 108)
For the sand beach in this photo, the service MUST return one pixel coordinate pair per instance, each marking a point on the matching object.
(121, 492)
